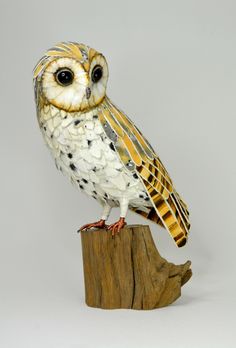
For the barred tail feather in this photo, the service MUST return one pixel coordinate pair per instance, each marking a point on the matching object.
(169, 214)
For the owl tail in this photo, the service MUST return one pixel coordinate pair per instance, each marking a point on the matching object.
(171, 213)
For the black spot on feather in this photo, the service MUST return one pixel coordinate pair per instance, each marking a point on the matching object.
(112, 146)
(72, 166)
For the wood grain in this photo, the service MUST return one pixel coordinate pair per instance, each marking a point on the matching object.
(128, 272)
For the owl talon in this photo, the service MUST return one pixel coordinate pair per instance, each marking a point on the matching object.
(99, 224)
(117, 226)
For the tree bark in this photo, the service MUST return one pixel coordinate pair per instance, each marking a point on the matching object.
(128, 272)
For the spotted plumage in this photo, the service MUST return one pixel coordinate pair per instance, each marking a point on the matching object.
(97, 146)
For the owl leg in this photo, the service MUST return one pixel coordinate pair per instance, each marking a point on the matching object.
(101, 223)
(117, 226)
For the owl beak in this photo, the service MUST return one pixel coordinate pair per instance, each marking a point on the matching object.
(88, 92)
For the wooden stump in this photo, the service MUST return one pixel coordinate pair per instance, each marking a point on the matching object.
(128, 272)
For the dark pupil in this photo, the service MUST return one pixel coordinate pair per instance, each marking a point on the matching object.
(65, 77)
(96, 73)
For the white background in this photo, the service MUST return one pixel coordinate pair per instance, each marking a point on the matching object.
(172, 69)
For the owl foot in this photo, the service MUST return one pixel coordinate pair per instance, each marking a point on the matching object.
(117, 226)
(98, 224)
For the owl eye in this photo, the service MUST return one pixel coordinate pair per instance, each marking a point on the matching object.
(96, 73)
(64, 76)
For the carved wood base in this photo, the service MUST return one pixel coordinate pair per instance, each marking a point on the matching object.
(128, 272)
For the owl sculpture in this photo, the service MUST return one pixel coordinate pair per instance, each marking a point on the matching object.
(97, 146)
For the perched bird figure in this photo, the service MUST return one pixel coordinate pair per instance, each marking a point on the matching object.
(97, 146)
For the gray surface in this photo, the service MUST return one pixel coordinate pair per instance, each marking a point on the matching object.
(172, 69)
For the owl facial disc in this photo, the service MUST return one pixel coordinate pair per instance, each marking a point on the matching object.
(72, 77)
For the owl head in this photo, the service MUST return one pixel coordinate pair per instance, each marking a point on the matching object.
(71, 76)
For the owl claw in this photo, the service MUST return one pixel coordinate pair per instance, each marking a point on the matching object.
(98, 224)
(116, 227)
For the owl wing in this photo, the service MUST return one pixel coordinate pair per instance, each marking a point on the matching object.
(168, 209)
